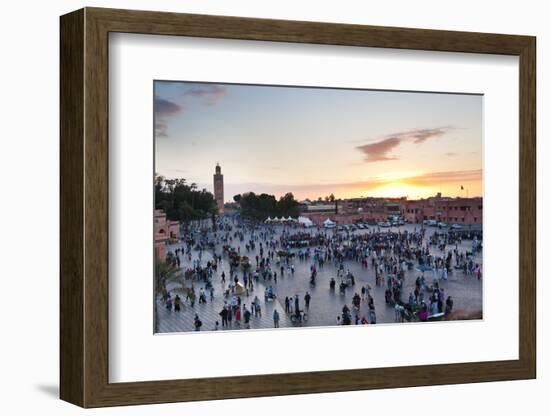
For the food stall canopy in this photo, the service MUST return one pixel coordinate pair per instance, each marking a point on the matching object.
(328, 223)
(305, 221)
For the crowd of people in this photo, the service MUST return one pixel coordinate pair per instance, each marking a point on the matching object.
(258, 255)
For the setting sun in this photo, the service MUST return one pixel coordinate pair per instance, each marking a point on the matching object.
(399, 189)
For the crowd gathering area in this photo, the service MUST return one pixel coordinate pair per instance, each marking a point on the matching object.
(244, 275)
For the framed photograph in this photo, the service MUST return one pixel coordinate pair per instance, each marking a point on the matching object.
(255, 207)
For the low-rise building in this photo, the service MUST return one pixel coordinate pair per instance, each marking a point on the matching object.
(165, 231)
(464, 211)
(449, 210)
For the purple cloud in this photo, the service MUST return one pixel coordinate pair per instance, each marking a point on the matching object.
(161, 129)
(379, 151)
(421, 135)
(163, 110)
(209, 93)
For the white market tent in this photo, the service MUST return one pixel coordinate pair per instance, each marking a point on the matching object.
(329, 224)
(305, 221)
(268, 219)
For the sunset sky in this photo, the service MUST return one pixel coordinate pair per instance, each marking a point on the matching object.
(317, 141)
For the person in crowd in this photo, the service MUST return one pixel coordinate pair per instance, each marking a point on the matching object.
(276, 318)
(197, 323)
(223, 314)
(307, 299)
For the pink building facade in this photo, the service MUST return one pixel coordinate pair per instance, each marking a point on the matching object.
(465, 211)
(449, 210)
(166, 231)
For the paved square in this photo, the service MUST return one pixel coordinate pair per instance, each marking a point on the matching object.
(326, 304)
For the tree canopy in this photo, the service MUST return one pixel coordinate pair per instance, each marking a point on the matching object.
(261, 206)
(183, 202)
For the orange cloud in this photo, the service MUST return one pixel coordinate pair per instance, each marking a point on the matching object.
(425, 184)
(435, 178)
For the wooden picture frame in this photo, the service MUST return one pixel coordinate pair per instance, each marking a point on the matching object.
(84, 207)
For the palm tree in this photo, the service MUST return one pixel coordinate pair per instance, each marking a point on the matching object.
(164, 273)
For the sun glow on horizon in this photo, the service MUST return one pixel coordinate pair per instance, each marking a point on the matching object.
(397, 189)
(319, 143)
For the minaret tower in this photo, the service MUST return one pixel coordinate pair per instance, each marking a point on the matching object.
(218, 188)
